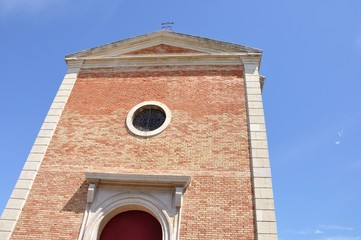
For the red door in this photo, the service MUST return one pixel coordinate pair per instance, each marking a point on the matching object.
(132, 225)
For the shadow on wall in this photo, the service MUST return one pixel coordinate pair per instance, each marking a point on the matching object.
(77, 202)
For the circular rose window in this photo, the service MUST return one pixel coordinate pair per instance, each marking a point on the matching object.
(148, 118)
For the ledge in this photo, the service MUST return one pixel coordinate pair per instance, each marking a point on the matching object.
(138, 179)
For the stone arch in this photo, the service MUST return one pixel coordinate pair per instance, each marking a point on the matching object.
(125, 202)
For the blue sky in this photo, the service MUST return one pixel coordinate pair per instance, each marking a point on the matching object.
(312, 64)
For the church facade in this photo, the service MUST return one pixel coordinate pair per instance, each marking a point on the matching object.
(160, 136)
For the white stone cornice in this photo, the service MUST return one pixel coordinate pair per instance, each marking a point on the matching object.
(168, 55)
(138, 179)
(252, 59)
(74, 64)
(166, 61)
(164, 37)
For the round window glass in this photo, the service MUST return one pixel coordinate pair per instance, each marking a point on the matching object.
(148, 118)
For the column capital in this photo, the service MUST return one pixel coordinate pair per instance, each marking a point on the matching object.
(251, 64)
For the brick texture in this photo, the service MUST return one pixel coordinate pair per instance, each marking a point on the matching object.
(206, 139)
(161, 49)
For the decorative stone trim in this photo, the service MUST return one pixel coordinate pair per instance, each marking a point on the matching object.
(168, 55)
(138, 179)
(262, 182)
(23, 186)
(170, 61)
(110, 194)
(132, 112)
(208, 52)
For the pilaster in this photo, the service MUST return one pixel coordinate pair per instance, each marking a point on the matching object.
(261, 171)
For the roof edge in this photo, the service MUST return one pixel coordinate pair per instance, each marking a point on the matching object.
(163, 34)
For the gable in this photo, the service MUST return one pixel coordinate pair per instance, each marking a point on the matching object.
(164, 42)
(162, 49)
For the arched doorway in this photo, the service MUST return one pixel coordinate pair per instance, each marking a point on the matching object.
(132, 225)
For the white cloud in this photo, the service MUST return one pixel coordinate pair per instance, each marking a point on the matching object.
(299, 232)
(340, 136)
(335, 227)
(323, 229)
(341, 238)
(340, 133)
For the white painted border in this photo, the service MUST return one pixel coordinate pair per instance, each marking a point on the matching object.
(26, 179)
(266, 228)
(130, 117)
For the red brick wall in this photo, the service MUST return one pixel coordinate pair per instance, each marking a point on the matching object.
(206, 139)
(161, 48)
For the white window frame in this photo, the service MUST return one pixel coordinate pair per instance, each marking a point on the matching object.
(137, 132)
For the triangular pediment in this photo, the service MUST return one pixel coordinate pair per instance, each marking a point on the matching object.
(162, 49)
(163, 43)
